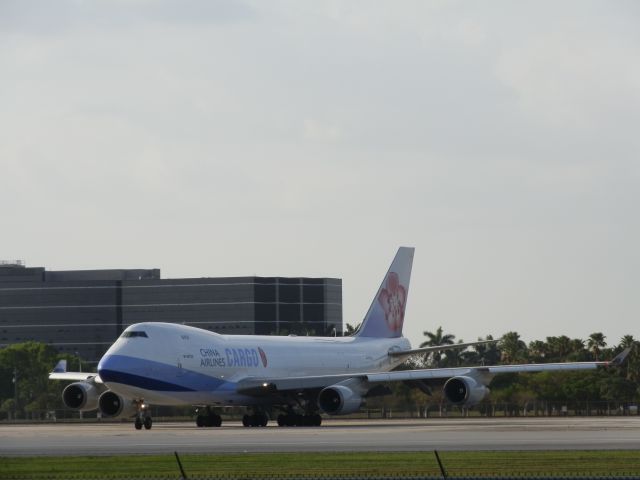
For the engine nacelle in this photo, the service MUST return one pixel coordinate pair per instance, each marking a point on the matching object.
(81, 396)
(339, 400)
(113, 405)
(464, 391)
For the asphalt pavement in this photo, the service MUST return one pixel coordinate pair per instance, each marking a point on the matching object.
(333, 435)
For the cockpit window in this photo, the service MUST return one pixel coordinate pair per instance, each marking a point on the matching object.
(132, 334)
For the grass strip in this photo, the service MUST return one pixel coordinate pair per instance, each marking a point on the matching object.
(388, 464)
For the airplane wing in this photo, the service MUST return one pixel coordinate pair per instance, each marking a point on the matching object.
(267, 386)
(438, 348)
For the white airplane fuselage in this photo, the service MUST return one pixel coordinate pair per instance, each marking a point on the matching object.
(169, 364)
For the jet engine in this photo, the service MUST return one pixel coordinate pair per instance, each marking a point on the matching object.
(81, 396)
(113, 405)
(339, 400)
(464, 391)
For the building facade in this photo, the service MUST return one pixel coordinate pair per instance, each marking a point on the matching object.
(83, 312)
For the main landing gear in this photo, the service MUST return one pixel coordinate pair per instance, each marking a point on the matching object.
(290, 418)
(297, 420)
(143, 417)
(258, 419)
(208, 418)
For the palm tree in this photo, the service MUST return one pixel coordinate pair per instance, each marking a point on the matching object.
(631, 367)
(487, 353)
(559, 347)
(576, 345)
(577, 351)
(627, 342)
(596, 343)
(350, 330)
(513, 349)
(538, 350)
(435, 339)
(455, 357)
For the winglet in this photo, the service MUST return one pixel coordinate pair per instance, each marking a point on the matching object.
(60, 367)
(621, 357)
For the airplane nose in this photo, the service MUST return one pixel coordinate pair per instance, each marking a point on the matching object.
(104, 362)
(108, 367)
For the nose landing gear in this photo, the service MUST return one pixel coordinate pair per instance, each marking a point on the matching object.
(143, 417)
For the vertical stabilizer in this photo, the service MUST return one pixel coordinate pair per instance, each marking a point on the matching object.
(386, 314)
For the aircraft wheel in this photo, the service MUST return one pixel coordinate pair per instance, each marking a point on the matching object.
(246, 421)
(148, 423)
(200, 421)
(282, 420)
(138, 423)
(262, 420)
(217, 420)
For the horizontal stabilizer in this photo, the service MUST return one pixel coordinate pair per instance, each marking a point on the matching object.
(74, 376)
(59, 372)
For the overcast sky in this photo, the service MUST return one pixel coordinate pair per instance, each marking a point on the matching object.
(215, 138)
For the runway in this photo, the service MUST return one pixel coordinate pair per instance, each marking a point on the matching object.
(333, 435)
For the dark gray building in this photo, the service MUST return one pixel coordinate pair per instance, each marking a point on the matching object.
(85, 311)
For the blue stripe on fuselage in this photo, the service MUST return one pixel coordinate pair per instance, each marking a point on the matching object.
(156, 376)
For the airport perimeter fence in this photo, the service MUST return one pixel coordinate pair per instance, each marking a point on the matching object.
(355, 477)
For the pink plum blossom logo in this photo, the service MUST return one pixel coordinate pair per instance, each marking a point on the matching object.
(392, 299)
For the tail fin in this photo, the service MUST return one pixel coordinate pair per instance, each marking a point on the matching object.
(386, 314)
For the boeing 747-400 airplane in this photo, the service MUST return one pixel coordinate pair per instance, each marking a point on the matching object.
(169, 364)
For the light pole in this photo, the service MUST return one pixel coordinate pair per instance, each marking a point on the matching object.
(15, 393)
(79, 362)
(80, 370)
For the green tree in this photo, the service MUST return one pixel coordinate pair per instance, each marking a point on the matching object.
(514, 350)
(351, 330)
(538, 351)
(596, 343)
(434, 340)
(487, 353)
(631, 368)
(455, 357)
(577, 351)
(558, 348)
(627, 341)
(31, 362)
